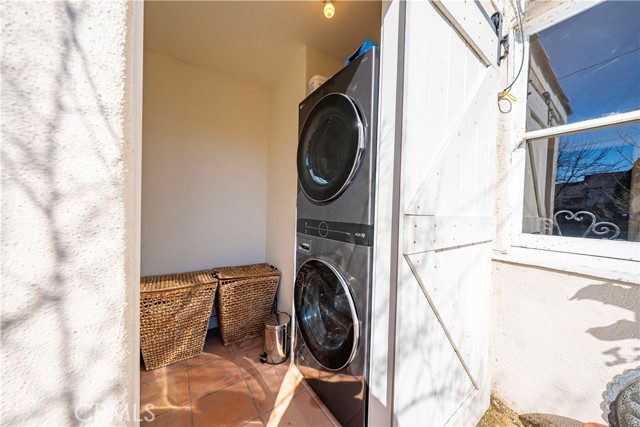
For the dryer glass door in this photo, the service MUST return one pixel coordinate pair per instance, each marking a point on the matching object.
(326, 314)
(330, 146)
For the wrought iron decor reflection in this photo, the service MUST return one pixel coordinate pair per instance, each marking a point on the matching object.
(597, 228)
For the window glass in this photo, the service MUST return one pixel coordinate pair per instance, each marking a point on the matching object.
(584, 185)
(585, 67)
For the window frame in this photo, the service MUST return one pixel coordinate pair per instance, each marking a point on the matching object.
(618, 260)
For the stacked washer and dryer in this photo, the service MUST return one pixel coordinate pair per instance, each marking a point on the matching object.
(335, 225)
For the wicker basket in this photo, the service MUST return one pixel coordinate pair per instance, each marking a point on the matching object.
(245, 297)
(174, 314)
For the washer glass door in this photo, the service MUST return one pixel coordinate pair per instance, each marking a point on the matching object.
(330, 146)
(326, 314)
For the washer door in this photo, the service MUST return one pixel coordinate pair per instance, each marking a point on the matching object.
(330, 146)
(326, 315)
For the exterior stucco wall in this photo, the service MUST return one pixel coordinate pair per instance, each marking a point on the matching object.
(69, 245)
(558, 339)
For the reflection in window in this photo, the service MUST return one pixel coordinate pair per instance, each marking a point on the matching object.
(584, 185)
(585, 67)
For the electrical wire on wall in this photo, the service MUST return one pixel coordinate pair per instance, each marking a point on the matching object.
(505, 92)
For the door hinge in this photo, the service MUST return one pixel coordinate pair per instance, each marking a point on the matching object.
(503, 41)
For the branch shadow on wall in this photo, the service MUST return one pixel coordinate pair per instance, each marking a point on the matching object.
(623, 296)
(33, 169)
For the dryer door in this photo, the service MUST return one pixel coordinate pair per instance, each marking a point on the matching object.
(326, 314)
(330, 146)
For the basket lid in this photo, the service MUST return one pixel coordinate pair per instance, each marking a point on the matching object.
(242, 271)
(173, 281)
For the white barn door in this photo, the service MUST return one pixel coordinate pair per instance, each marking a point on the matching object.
(446, 226)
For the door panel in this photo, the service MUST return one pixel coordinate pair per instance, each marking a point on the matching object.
(457, 183)
(444, 75)
(447, 179)
(455, 298)
(429, 381)
(468, 22)
(434, 232)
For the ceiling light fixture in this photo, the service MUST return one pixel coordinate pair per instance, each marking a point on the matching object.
(329, 9)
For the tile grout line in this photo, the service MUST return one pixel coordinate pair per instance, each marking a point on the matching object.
(157, 414)
(283, 377)
(220, 389)
(189, 393)
(162, 375)
(225, 385)
(255, 405)
(231, 354)
(285, 403)
(253, 419)
(325, 411)
(293, 396)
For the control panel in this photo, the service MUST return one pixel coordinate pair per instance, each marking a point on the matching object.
(358, 234)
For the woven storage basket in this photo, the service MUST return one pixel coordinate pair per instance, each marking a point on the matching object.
(245, 297)
(174, 314)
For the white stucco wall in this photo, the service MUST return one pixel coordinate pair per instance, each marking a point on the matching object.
(558, 339)
(204, 168)
(69, 246)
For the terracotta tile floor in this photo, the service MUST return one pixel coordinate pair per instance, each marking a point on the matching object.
(228, 386)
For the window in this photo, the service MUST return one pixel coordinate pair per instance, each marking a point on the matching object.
(584, 184)
(579, 162)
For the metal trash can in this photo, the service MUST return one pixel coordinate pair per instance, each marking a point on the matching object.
(276, 338)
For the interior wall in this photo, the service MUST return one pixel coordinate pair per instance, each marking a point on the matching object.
(204, 168)
(208, 140)
(320, 64)
(285, 95)
(570, 334)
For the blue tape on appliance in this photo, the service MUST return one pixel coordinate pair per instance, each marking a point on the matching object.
(368, 44)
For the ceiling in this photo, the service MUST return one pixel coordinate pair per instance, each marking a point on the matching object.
(254, 40)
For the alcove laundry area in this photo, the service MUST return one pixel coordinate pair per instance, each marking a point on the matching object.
(221, 86)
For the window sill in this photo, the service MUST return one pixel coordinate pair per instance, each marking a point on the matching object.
(595, 266)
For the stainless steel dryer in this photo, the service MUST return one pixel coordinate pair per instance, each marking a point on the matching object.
(337, 145)
(336, 191)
